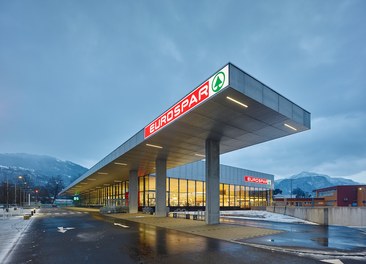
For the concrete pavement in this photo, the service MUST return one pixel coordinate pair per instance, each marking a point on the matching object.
(221, 231)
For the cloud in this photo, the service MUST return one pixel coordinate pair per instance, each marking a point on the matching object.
(169, 48)
(78, 79)
(334, 146)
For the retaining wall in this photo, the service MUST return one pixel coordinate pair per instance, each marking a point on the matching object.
(341, 216)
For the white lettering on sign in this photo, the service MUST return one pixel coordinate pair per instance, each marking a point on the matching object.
(213, 85)
(256, 180)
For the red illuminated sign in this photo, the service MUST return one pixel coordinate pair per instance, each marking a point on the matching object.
(256, 180)
(187, 103)
(215, 84)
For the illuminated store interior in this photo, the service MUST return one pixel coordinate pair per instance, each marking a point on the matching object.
(187, 191)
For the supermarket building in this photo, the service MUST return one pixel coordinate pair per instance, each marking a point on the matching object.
(230, 110)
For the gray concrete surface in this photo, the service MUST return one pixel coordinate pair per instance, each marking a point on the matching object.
(341, 216)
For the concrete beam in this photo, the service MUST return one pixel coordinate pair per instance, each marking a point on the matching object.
(133, 192)
(212, 182)
(160, 207)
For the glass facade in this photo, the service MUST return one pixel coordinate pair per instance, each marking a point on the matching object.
(180, 193)
(109, 195)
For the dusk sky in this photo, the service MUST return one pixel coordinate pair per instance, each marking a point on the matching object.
(79, 78)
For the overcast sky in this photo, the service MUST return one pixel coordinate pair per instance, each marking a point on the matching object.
(79, 78)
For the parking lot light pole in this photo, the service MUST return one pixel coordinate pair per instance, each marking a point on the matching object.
(7, 192)
(15, 193)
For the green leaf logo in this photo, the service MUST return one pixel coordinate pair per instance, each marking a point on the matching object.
(218, 82)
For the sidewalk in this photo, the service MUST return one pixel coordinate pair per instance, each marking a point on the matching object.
(12, 226)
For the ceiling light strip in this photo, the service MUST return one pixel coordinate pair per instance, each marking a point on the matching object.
(120, 163)
(236, 101)
(291, 127)
(154, 146)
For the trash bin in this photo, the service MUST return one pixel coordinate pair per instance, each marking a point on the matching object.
(194, 217)
(174, 215)
(187, 216)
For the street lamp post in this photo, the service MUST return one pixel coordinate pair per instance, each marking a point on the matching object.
(7, 192)
(15, 193)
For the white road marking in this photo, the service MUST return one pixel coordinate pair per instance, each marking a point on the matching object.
(333, 261)
(124, 226)
(61, 229)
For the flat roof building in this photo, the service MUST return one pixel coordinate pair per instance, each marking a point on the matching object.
(186, 188)
(228, 111)
(343, 195)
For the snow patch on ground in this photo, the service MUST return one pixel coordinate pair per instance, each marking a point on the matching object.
(263, 216)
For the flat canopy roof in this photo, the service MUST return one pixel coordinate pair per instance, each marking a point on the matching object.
(231, 107)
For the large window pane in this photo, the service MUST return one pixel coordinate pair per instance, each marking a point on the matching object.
(173, 192)
(152, 183)
(183, 192)
(232, 195)
(191, 193)
(167, 192)
(204, 193)
(226, 194)
(199, 193)
(141, 192)
(222, 194)
(237, 195)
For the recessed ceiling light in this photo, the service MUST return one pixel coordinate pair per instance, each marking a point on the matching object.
(154, 146)
(117, 181)
(236, 101)
(120, 163)
(91, 179)
(83, 183)
(102, 173)
(291, 127)
(200, 155)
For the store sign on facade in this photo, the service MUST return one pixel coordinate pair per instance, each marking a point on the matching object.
(257, 180)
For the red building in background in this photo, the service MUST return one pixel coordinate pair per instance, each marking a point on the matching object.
(343, 195)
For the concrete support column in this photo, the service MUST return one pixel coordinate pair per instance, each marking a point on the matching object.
(160, 198)
(133, 192)
(212, 182)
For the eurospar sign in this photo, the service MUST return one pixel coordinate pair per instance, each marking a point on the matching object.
(215, 84)
(257, 180)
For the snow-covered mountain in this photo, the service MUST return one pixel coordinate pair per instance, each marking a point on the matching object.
(37, 168)
(309, 181)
